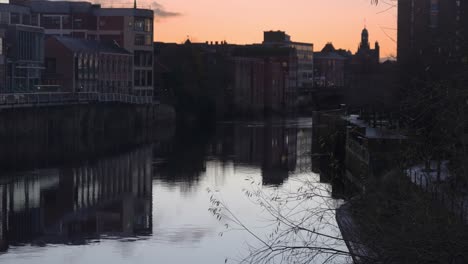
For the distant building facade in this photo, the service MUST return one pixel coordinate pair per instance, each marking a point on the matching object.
(21, 50)
(305, 56)
(279, 65)
(249, 85)
(79, 65)
(329, 67)
(130, 28)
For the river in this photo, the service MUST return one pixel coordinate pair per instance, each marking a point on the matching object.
(150, 204)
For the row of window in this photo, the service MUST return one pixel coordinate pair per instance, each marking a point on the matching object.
(143, 78)
(29, 46)
(90, 62)
(104, 86)
(143, 24)
(143, 58)
(143, 40)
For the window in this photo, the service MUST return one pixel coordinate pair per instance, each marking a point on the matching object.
(148, 40)
(137, 78)
(148, 25)
(139, 24)
(34, 20)
(15, 18)
(26, 19)
(137, 58)
(143, 58)
(139, 39)
(77, 23)
(66, 22)
(149, 59)
(149, 78)
(50, 22)
(4, 17)
(50, 65)
(434, 17)
(1, 46)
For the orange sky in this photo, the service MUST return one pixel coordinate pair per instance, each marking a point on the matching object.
(243, 21)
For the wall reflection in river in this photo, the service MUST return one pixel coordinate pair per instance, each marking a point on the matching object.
(154, 196)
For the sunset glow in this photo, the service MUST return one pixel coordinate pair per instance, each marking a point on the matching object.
(243, 21)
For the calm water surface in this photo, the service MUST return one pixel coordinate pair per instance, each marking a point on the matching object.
(150, 204)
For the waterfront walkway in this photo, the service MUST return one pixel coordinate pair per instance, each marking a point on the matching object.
(22, 100)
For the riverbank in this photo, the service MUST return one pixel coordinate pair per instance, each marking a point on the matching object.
(43, 136)
(396, 215)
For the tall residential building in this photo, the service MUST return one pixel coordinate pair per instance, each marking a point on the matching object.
(305, 56)
(432, 34)
(130, 28)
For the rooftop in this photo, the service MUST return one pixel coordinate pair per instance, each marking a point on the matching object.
(262, 51)
(372, 132)
(65, 7)
(78, 45)
(328, 55)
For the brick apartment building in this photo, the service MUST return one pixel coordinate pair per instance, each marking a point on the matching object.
(264, 73)
(129, 28)
(249, 85)
(80, 65)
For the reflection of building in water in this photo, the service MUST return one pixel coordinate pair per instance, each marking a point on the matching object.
(248, 144)
(185, 159)
(280, 153)
(271, 146)
(275, 161)
(111, 196)
(304, 148)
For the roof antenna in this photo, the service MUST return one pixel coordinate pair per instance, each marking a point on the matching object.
(134, 4)
(365, 22)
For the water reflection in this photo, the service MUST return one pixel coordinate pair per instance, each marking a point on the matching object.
(154, 196)
(279, 148)
(111, 197)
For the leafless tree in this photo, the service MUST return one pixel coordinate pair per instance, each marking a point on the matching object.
(301, 224)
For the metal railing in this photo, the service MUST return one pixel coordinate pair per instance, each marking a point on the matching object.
(13, 100)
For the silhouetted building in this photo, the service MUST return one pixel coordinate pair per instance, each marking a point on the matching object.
(195, 77)
(274, 86)
(130, 28)
(279, 67)
(369, 83)
(305, 56)
(79, 65)
(329, 67)
(366, 59)
(432, 35)
(249, 85)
